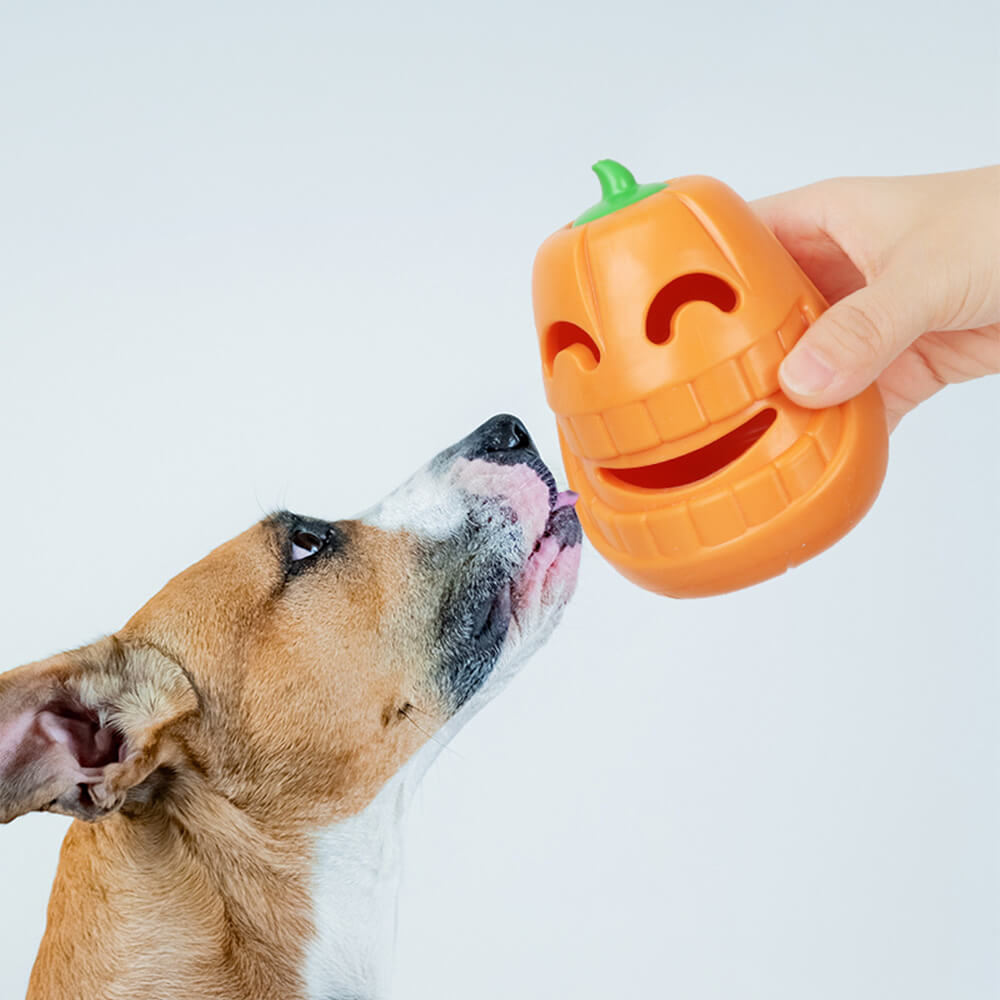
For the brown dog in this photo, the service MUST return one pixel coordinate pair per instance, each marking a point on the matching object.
(249, 739)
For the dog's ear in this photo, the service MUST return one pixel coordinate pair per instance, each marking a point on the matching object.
(79, 731)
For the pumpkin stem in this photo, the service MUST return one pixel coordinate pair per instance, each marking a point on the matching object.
(615, 179)
(618, 190)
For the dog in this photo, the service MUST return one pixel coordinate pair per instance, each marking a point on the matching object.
(239, 756)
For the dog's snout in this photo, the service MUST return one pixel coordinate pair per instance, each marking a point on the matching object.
(501, 437)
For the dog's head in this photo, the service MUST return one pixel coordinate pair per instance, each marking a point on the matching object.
(294, 669)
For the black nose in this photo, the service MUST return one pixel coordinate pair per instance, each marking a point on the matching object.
(502, 437)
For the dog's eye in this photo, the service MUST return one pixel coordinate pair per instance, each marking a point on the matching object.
(305, 544)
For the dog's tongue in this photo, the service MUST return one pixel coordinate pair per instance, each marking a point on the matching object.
(565, 499)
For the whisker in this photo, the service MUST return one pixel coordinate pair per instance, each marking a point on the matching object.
(423, 711)
(444, 746)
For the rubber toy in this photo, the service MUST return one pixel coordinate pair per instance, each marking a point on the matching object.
(663, 313)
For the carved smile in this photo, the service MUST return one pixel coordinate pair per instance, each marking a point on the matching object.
(697, 464)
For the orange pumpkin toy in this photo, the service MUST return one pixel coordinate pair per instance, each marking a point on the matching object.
(663, 314)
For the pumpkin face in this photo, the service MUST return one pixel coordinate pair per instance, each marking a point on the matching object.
(662, 321)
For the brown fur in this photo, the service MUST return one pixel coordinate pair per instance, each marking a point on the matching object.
(252, 710)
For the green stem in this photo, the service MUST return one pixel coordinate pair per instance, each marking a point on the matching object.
(618, 190)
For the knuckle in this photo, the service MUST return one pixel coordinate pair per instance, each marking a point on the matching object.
(862, 333)
(969, 298)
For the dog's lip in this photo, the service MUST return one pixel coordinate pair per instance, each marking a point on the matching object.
(552, 563)
(559, 540)
(558, 499)
(562, 524)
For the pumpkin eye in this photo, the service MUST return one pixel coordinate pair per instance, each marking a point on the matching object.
(305, 544)
(565, 336)
(696, 287)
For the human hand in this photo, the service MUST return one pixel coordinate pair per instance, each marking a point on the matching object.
(911, 268)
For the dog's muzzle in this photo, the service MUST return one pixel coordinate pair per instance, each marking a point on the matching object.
(504, 440)
(514, 560)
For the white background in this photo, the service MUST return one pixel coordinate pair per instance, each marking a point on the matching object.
(256, 255)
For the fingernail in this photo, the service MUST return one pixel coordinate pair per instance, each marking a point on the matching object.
(805, 372)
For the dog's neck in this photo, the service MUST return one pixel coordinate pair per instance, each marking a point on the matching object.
(190, 901)
(355, 887)
(357, 876)
(197, 901)
(185, 896)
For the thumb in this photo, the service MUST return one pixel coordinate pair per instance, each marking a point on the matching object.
(854, 341)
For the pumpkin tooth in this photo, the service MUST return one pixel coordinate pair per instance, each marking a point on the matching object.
(569, 434)
(593, 435)
(673, 531)
(636, 537)
(722, 390)
(760, 363)
(606, 523)
(675, 412)
(825, 429)
(631, 428)
(801, 467)
(761, 496)
(717, 518)
(795, 324)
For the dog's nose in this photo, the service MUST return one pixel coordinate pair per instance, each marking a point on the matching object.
(501, 437)
(507, 433)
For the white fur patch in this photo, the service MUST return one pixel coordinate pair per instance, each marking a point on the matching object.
(433, 503)
(355, 885)
(424, 505)
(357, 865)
